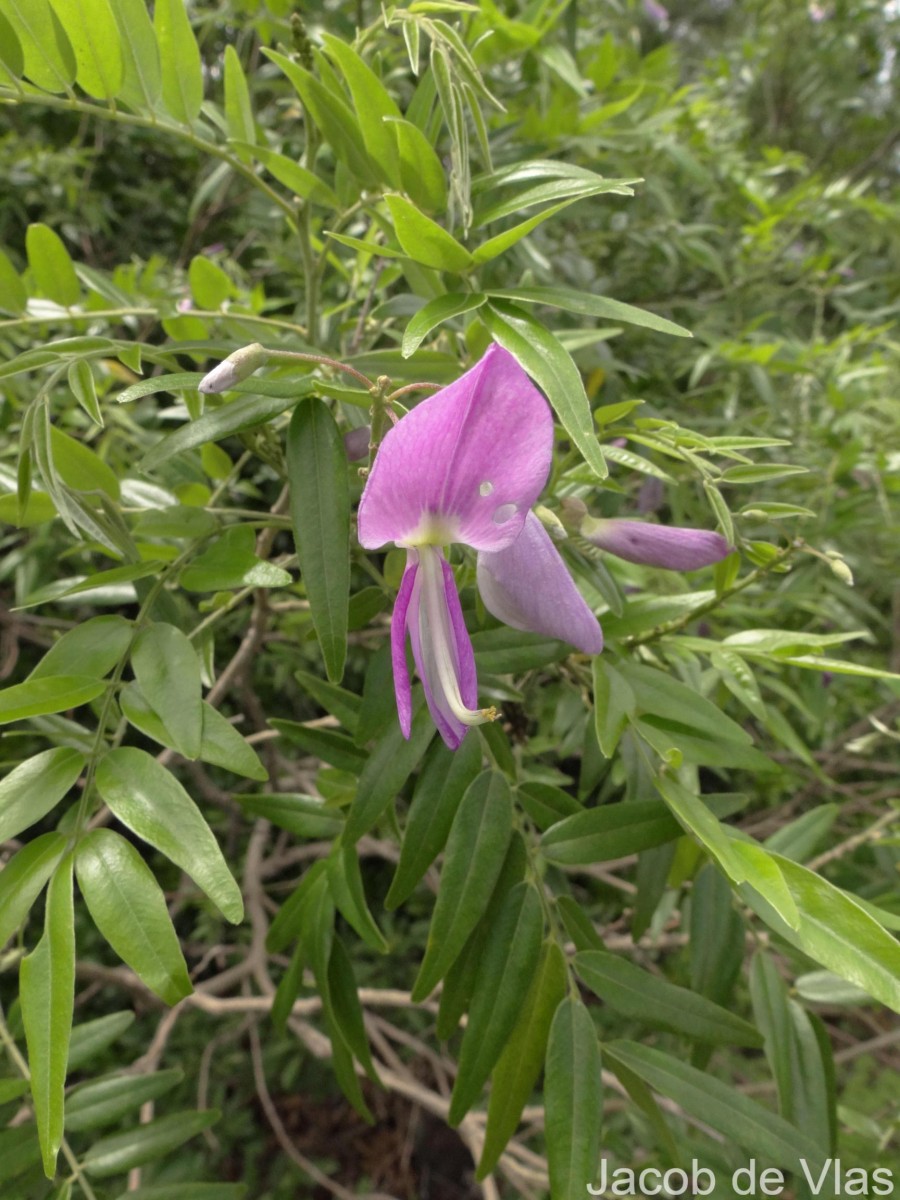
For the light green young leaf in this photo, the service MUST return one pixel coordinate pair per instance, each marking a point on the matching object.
(47, 992)
(320, 514)
(302, 183)
(231, 563)
(23, 877)
(373, 105)
(572, 1100)
(13, 293)
(182, 70)
(52, 268)
(49, 61)
(422, 174)
(94, 35)
(142, 73)
(436, 312)
(51, 695)
(167, 669)
(150, 801)
(424, 240)
(128, 907)
(472, 862)
(238, 107)
(36, 786)
(84, 389)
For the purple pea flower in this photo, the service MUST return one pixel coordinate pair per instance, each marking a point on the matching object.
(668, 546)
(466, 465)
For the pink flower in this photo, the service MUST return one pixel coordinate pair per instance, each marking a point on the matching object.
(466, 465)
(667, 546)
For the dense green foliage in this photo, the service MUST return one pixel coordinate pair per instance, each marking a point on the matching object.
(650, 911)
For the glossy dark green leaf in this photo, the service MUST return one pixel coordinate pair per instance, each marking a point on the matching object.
(102, 1101)
(546, 804)
(336, 700)
(345, 1006)
(572, 1100)
(519, 1065)
(304, 816)
(145, 1143)
(472, 862)
(551, 367)
(387, 768)
(438, 793)
(611, 831)
(717, 935)
(92, 648)
(129, 908)
(47, 993)
(327, 744)
(345, 882)
(290, 918)
(52, 694)
(91, 1038)
(506, 651)
(505, 974)
(23, 877)
(436, 312)
(642, 996)
(36, 786)
(167, 670)
(320, 513)
(150, 801)
(741, 1120)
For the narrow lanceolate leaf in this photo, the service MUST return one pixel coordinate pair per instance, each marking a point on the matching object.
(434, 313)
(613, 702)
(645, 997)
(320, 512)
(119, 1153)
(182, 70)
(36, 697)
(301, 182)
(92, 30)
(422, 173)
(84, 389)
(424, 240)
(572, 1100)
(36, 786)
(611, 831)
(345, 882)
(387, 768)
(520, 1063)
(13, 293)
(373, 103)
(504, 976)
(439, 791)
(742, 1121)
(551, 367)
(23, 877)
(103, 1101)
(49, 60)
(472, 862)
(572, 300)
(167, 669)
(141, 71)
(51, 267)
(129, 908)
(238, 109)
(47, 993)
(151, 802)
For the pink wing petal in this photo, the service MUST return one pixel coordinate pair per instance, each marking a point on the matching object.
(399, 620)
(528, 587)
(469, 461)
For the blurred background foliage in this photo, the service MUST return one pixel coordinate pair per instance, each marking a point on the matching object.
(768, 224)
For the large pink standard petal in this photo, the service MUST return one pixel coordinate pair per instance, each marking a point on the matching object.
(465, 465)
(527, 586)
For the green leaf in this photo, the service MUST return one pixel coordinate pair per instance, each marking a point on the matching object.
(36, 786)
(23, 877)
(438, 793)
(13, 293)
(222, 423)
(472, 861)
(642, 996)
(84, 389)
(47, 695)
(614, 702)
(374, 106)
(434, 313)
(572, 300)
(551, 367)
(387, 768)
(188, 1191)
(11, 57)
(182, 69)
(422, 174)
(167, 670)
(320, 513)
(91, 1038)
(722, 1107)
(52, 268)
(424, 240)
(335, 748)
(91, 648)
(150, 801)
(129, 908)
(611, 831)
(47, 993)
(546, 804)
(572, 1100)
(336, 700)
(142, 74)
(345, 882)
(505, 974)
(502, 242)
(119, 1153)
(506, 651)
(94, 35)
(210, 286)
(334, 118)
(344, 1006)
(49, 60)
(238, 106)
(230, 563)
(80, 467)
(304, 816)
(519, 1065)
(102, 579)
(102, 1101)
(299, 180)
(760, 472)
